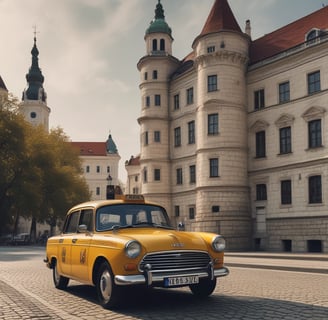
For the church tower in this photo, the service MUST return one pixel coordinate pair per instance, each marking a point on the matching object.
(155, 69)
(34, 100)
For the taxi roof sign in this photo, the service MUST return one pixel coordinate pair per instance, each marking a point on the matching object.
(134, 197)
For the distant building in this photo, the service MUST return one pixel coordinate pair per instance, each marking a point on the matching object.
(234, 136)
(133, 184)
(100, 165)
(34, 100)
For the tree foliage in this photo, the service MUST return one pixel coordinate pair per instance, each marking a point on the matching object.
(40, 173)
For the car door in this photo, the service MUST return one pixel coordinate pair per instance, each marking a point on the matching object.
(81, 244)
(64, 259)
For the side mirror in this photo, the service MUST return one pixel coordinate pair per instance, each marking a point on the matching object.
(82, 228)
(181, 226)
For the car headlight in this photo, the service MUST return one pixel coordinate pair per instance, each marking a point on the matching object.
(218, 243)
(132, 249)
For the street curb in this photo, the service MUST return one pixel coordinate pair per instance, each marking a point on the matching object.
(281, 268)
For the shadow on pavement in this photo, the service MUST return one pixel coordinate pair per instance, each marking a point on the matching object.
(181, 304)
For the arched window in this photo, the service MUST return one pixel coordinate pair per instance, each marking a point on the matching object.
(155, 45)
(162, 45)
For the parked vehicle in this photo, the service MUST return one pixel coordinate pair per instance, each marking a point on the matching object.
(115, 244)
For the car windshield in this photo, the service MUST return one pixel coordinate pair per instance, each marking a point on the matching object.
(131, 215)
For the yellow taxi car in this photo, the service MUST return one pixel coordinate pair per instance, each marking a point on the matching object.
(113, 244)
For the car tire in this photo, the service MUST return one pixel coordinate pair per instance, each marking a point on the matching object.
(59, 281)
(108, 292)
(204, 288)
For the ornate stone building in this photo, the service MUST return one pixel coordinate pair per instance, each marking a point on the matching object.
(234, 136)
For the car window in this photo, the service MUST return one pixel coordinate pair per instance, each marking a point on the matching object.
(125, 215)
(72, 223)
(86, 218)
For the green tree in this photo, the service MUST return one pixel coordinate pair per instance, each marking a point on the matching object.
(40, 173)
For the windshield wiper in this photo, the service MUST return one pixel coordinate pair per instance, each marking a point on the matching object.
(155, 225)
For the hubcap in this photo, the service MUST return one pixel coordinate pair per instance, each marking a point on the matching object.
(106, 285)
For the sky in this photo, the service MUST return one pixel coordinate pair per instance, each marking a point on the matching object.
(89, 50)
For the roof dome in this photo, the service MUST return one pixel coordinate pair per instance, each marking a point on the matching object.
(158, 24)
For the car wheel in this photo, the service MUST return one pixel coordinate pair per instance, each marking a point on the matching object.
(59, 281)
(108, 292)
(204, 288)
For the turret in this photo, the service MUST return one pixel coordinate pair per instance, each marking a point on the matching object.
(34, 100)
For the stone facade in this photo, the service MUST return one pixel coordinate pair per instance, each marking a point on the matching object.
(233, 137)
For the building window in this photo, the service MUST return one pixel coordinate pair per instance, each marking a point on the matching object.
(177, 137)
(214, 167)
(157, 100)
(135, 190)
(157, 174)
(315, 189)
(210, 49)
(87, 169)
(261, 192)
(177, 211)
(314, 82)
(136, 178)
(179, 176)
(162, 45)
(192, 173)
(212, 83)
(108, 169)
(154, 74)
(146, 138)
(284, 92)
(98, 191)
(98, 169)
(147, 101)
(146, 76)
(260, 144)
(285, 140)
(191, 213)
(33, 115)
(213, 124)
(176, 102)
(190, 96)
(157, 136)
(314, 128)
(286, 192)
(259, 99)
(154, 44)
(145, 175)
(191, 132)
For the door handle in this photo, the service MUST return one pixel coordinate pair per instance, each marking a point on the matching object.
(74, 240)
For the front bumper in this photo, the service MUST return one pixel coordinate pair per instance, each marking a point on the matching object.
(150, 277)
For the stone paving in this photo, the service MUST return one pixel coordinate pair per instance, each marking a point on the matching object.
(27, 292)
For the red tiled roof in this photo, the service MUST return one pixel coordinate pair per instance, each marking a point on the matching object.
(220, 18)
(91, 148)
(134, 161)
(2, 84)
(288, 36)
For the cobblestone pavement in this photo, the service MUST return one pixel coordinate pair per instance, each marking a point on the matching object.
(27, 292)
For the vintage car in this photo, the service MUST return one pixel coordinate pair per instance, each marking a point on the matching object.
(113, 244)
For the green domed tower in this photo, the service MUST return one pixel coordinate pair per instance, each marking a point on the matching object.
(155, 70)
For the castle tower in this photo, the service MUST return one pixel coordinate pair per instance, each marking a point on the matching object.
(34, 100)
(222, 196)
(155, 69)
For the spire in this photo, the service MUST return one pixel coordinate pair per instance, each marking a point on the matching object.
(34, 78)
(220, 18)
(110, 145)
(158, 24)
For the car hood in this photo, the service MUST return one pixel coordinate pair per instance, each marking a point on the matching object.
(160, 239)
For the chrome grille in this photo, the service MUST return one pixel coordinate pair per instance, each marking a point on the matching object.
(175, 260)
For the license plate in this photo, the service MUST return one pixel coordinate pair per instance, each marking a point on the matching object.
(180, 281)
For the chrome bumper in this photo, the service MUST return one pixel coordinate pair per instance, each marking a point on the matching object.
(149, 278)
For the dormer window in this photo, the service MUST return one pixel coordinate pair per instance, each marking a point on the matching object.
(311, 36)
(210, 49)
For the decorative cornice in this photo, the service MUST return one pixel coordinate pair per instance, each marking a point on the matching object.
(222, 56)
